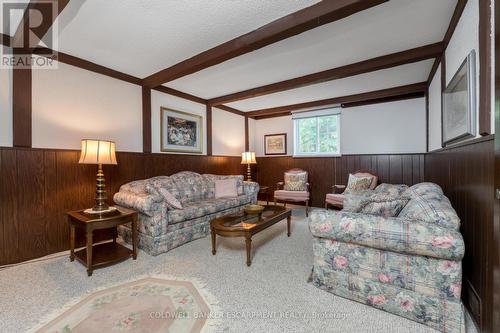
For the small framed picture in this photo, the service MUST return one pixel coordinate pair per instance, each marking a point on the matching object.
(275, 144)
(181, 132)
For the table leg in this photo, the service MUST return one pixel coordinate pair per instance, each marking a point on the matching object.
(89, 252)
(267, 198)
(214, 250)
(134, 239)
(288, 221)
(72, 242)
(115, 234)
(248, 241)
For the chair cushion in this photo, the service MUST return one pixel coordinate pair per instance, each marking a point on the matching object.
(295, 181)
(291, 195)
(357, 184)
(225, 188)
(366, 174)
(335, 199)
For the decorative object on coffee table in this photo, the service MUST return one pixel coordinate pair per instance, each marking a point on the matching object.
(248, 158)
(244, 225)
(275, 144)
(98, 152)
(103, 254)
(253, 209)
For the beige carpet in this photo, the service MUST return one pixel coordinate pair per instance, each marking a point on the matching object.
(270, 296)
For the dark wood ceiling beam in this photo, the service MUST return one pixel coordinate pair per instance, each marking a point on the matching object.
(303, 20)
(181, 94)
(230, 109)
(362, 67)
(457, 13)
(49, 14)
(90, 66)
(5, 39)
(372, 95)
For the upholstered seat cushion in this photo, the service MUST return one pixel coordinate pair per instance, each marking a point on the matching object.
(335, 199)
(205, 207)
(291, 195)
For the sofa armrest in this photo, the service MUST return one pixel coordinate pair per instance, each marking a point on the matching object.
(144, 203)
(338, 189)
(251, 188)
(391, 234)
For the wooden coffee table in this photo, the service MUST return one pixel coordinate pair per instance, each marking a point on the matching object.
(243, 225)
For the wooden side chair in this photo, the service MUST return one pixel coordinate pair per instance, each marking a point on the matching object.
(294, 188)
(337, 197)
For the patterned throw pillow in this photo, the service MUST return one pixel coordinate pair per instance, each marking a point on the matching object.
(380, 204)
(357, 184)
(170, 199)
(295, 181)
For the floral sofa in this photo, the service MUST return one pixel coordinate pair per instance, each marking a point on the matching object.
(408, 264)
(163, 227)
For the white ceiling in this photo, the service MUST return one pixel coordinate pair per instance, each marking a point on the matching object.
(394, 26)
(383, 79)
(141, 37)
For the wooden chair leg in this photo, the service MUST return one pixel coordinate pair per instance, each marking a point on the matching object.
(307, 208)
(326, 205)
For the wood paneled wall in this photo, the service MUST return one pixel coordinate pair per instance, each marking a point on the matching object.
(466, 175)
(327, 171)
(38, 187)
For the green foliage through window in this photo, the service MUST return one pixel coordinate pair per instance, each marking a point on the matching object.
(317, 135)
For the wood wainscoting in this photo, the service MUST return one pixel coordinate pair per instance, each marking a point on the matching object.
(465, 173)
(327, 171)
(38, 187)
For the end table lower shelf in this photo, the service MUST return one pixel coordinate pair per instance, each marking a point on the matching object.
(104, 254)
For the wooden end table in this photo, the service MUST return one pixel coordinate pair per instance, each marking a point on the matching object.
(103, 254)
(265, 190)
(243, 225)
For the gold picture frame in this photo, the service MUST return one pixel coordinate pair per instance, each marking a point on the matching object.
(180, 132)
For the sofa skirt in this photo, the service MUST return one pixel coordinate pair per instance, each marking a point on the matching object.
(180, 234)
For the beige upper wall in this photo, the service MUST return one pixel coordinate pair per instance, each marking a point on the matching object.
(386, 128)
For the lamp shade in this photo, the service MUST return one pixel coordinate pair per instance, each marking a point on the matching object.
(248, 158)
(97, 152)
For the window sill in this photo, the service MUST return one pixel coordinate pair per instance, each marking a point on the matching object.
(316, 155)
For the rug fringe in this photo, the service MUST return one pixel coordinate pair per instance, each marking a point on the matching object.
(212, 325)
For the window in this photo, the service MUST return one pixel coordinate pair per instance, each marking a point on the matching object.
(316, 133)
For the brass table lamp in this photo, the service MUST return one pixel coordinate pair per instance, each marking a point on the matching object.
(248, 158)
(98, 152)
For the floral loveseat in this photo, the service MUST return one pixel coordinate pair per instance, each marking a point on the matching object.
(161, 226)
(409, 264)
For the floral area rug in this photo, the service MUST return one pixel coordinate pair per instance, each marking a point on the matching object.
(150, 304)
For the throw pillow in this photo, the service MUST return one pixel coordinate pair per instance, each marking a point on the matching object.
(226, 188)
(170, 199)
(357, 184)
(295, 181)
(380, 204)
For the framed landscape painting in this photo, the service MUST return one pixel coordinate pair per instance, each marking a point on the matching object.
(181, 132)
(459, 110)
(275, 144)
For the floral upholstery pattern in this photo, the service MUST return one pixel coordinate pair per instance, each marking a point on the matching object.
(386, 200)
(162, 226)
(409, 267)
(295, 181)
(356, 184)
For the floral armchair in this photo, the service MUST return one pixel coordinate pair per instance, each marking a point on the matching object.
(407, 262)
(294, 188)
(337, 197)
